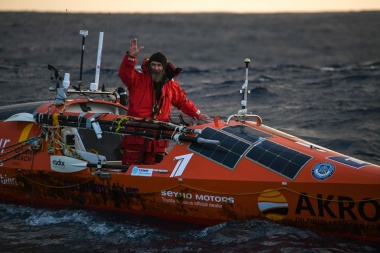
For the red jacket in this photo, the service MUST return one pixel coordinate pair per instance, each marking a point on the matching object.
(142, 95)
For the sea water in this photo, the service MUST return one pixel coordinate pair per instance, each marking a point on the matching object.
(315, 76)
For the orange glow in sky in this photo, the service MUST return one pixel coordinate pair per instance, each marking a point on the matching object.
(183, 6)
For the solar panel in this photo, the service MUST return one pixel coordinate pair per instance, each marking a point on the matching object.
(239, 140)
(281, 159)
(349, 161)
(228, 153)
(249, 134)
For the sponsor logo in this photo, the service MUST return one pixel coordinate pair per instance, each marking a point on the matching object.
(347, 208)
(7, 180)
(203, 200)
(58, 163)
(136, 171)
(273, 205)
(65, 164)
(3, 143)
(322, 171)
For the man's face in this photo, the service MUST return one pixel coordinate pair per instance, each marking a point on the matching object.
(156, 71)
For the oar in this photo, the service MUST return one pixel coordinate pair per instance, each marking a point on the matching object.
(131, 122)
(120, 167)
(108, 166)
(139, 131)
(65, 164)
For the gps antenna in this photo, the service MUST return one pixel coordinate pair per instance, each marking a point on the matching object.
(244, 90)
(84, 33)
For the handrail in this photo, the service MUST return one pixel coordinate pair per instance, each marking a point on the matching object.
(259, 121)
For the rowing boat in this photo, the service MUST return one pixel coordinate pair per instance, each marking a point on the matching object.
(66, 153)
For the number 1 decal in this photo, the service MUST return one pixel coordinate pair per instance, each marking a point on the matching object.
(182, 162)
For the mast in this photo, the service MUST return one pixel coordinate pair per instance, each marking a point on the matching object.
(244, 90)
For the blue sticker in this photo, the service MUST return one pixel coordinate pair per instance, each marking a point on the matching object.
(135, 170)
(322, 171)
(356, 163)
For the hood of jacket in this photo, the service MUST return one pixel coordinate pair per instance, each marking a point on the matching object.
(170, 70)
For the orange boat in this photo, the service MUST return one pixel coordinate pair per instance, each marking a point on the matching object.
(66, 153)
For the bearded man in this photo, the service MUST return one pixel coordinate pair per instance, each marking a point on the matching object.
(152, 93)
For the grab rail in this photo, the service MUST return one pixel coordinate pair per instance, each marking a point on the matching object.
(259, 121)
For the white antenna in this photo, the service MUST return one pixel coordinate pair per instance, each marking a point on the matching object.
(242, 114)
(94, 86)
(244, 90)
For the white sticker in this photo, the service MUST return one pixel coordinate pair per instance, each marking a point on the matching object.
(182, 162)
(136, 171)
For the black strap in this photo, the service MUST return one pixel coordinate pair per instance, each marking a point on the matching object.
(158, 100)
(158, 90)
(143, 151)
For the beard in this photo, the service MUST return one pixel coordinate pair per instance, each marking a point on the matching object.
(157, 76)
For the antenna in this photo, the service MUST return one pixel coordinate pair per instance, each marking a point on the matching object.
(242, 114)
(244, 90)
(84, 33)
(95, 85)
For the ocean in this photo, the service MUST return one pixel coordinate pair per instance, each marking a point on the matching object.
(315, 76)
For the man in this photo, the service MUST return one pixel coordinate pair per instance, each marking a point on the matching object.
(152, 93)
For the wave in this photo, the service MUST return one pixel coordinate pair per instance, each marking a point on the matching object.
(66, 230)
(291, 67)
(262, 92)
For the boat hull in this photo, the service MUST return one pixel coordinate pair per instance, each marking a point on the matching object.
(206, 202)
(201, 183)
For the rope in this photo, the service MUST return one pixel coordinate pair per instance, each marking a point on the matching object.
(257, 193)
(32, 146)
(174, 133)
(197, 189)
(235, 194)
(28, 141)
(50, 138)
(55, 119)
(95, 152)
(146, 193)
(118, 122)
(54, 144)
(52, 186)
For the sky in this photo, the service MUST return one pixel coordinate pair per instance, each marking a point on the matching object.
(186, 6)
